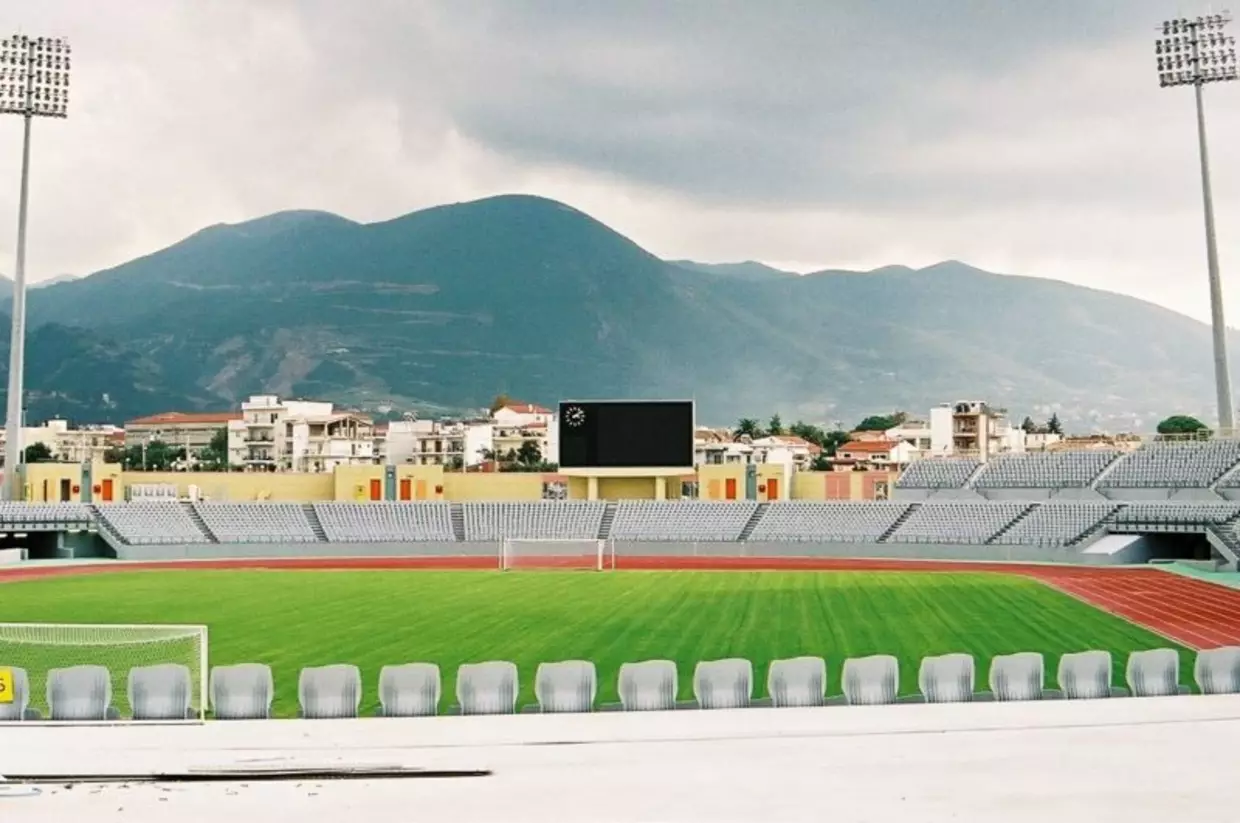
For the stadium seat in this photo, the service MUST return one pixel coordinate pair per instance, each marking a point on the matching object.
(1017, 676)
(385, 522)
(80, 693)
(1154, 673)
(257, 522)
(1044, 470)
(1217, 671)
(566, 686)
(242, 692)
(797, 682)
(534, 520)
(329, 692)
(681, 520)
(947, 678)
(1057, 524)
(723, 684)
(487, 688)
(162, 692)
(44, 515)
(18, 708)
(871, 681)
(1086, 676)
(410, 690)
(844, 521)
(972, 523)
(141, 524)
(938, 473)
(648, 686)
(1169, 464)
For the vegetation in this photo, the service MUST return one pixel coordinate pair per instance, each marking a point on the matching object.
(1182, 424)
(39, 453)
(295, 619)
(881, 422)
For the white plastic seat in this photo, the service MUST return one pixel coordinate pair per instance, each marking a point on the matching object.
(1017, 676)
(18, 707)
(487, 688)
(242, 692)
(329, 692)
(80, 694)
(410, 690)
(871, 681)
(649, 685)
(1154, 673)
(566, 686)
(162, 692)
(797, 682)
(1217, 671)
(947, 678)
(1085, 675)
(723, 684)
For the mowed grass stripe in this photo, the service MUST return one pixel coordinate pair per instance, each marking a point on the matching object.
(291, 619)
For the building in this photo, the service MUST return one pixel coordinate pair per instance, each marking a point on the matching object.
(191, 431)
(516, 424)
(720, 447)
(868, 454)
(299, 435)
(454, 444)
(70, 445)
(972, 428)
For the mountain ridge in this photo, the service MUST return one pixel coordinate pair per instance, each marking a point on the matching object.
(515, 294)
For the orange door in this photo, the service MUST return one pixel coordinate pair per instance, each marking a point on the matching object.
(421, 489)
(772, 489)
(376, 489)
(729, 488)
(406, 489)
(107, 490)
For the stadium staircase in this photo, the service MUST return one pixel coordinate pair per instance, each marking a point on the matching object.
(972, 478)
(1095, 528)
(1110, 467)
(1011, 524)
(609, 517)
(754, 520)
(457, 513)
(109, 534)
(1227, 475)
(200, 523)
(900, 521)
(316, 525)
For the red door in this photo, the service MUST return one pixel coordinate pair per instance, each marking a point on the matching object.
(107, 490)
(772, 489)
(376, 489)
(729, 488)
(406, 489)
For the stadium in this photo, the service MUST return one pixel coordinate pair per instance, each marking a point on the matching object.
(1034, 583)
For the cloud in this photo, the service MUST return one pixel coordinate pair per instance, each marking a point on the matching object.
(1025, 138)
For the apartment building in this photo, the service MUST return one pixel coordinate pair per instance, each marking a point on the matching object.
(71, 445)
(299, 435)
(456, 444)
(192, 431)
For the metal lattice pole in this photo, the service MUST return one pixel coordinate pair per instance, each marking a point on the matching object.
(1194, 52)
(34, 82)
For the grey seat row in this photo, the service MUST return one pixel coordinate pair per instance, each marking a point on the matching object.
(84, 694)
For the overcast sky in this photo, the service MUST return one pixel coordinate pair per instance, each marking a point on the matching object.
(1022, 136)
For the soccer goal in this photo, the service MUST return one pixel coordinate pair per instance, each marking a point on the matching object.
(519, 553)
(169, 666)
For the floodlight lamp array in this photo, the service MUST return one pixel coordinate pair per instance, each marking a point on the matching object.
(34, 76)
(1195, 51)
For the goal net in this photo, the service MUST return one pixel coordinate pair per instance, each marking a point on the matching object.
(518, 553)
(29, 652)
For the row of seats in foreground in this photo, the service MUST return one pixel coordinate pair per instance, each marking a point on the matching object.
(1161, 464)
(246, 691)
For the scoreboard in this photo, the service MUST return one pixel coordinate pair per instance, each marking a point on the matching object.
(626, 434)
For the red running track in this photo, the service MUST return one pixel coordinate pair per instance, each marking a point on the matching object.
(1189, 611)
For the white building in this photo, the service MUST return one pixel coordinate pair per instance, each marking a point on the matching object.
(456, 444)
(519, 423)
(972, 428)
(884, 454)
(70, 445)
(300, 435)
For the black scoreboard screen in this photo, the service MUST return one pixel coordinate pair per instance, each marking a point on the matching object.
(626, 434)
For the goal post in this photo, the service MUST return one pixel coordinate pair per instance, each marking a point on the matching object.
(30, 651)
(517, 553)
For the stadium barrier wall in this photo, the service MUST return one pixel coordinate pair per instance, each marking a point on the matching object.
(653, 549)
(11, 557)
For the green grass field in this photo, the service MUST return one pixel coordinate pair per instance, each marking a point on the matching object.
(291, 619)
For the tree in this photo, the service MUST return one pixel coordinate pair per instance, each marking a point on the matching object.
(1053, 426)
(214, 458)
(155, 456)
(821, 463)
(1028, 426)
(499, 402)
(775, 426)
(747, 427)
(881, 422)
(1182, 424)
(39, 453)
(833, 441)
(529, 454)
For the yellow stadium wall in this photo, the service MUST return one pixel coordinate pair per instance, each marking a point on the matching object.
(243, 486)
(461, 486)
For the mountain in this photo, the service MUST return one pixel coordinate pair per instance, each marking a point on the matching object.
(748, 270)
(527, 296)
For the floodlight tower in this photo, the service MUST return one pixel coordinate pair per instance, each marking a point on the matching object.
(34, 82)
(1193, 52)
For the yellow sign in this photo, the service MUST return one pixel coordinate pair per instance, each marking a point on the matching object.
(7, 692)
